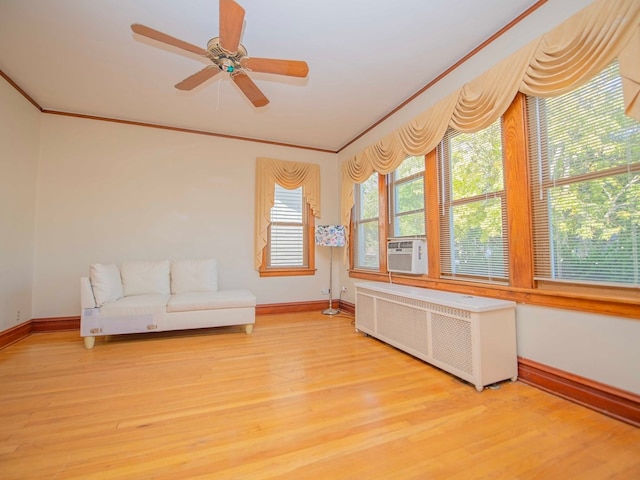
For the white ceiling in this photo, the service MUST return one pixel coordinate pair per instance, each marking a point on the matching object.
(365, 58)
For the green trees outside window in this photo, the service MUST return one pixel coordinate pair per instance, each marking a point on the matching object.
(407, 198)
(366, 222)
(473, 224)
(585, 168)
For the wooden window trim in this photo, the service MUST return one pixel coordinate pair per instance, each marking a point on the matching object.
(518, 193)
(626, 306)
(432, 214)
(383, 199)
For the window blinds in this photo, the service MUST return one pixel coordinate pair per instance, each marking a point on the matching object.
(472, 206)
(287, 229)
(585, 172)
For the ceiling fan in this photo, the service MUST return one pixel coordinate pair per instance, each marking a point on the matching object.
(228, 55)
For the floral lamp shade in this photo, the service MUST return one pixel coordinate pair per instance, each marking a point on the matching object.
(330, 236)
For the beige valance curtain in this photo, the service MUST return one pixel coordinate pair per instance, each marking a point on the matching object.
(289, 175)
(559, 61)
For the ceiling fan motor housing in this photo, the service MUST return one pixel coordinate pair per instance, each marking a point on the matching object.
(226, 61)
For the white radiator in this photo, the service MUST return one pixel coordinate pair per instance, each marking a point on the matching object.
(471, 337)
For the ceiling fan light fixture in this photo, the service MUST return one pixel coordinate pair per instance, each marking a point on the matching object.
(226, 65)
(224, 60)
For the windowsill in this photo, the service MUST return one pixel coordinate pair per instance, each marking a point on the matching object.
(286, 272)
(623, 302)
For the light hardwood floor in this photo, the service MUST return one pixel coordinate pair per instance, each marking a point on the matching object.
(303, 397)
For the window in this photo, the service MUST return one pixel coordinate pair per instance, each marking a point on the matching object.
(365, 225)
(473, 240)
(407, 199)
(287, 201)
(286, 232)
(289, 246)
(402, 195)
(585, 173)
(546, 200)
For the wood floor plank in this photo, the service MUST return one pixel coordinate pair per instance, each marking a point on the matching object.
(304, 396)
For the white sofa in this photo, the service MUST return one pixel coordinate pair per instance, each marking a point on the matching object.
(159, 296)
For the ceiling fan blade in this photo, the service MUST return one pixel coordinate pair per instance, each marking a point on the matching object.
(231, 19)
(198, 78)
(168, 39)
(250, 89)
(292, 68)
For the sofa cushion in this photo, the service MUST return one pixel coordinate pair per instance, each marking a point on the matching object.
(142, 278)
(186, 302)
(194, 276)
(106, 283)
(136, 305)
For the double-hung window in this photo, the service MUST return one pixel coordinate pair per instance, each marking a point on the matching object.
(585, 175)
(366, 221)
(473, 243)
(289, 247)
(406, 199)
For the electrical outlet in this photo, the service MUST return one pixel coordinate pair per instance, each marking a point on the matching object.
(18, 317)
(344, 290)
(325, 291)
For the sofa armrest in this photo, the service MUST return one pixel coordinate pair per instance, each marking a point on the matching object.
(87, 300)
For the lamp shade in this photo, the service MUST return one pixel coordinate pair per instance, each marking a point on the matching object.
(330, 236)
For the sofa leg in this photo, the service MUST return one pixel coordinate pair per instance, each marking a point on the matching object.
(89, 342)
(248, 328)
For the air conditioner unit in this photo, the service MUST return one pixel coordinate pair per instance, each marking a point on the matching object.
(407, 256)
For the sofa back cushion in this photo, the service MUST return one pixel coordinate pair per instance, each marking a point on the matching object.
(106, 283)
(144, 278)
(194, 276)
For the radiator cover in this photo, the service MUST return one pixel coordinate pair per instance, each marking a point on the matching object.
(471, 337)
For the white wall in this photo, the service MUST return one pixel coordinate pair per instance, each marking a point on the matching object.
(111, 192)
(598, 347)
(19, 146)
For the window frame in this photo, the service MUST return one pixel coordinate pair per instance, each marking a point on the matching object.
(540, 173)
(393, 183)
(357, 221)
(447, 204)
(308, 245)
(619, 301)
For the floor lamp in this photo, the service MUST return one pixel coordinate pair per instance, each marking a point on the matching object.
(330, 236)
